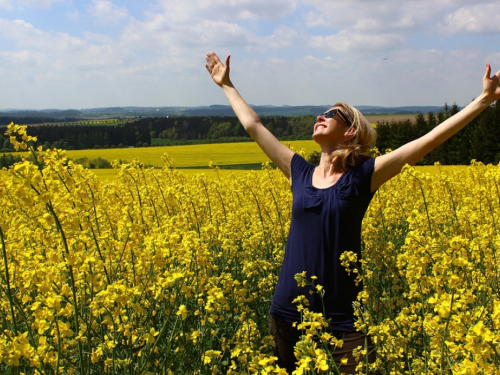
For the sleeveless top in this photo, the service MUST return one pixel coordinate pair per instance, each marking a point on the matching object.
(324, 224)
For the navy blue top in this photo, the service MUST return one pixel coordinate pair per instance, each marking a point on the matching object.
(325, 223)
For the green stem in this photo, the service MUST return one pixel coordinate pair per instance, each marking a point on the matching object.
(425, 203)
(73, 285)
(162, 331)
(7, 279)
(445, 333)
(58, 347)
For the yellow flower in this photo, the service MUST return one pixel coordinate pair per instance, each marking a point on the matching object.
(151, 335)
(182, 312)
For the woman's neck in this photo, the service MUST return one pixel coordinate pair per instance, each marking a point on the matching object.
(329, 166)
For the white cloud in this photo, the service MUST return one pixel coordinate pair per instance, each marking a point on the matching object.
(6, 4)
(382, 25)
(373, 15)
(105, 12)
(13, 4)
(49, 54)
(171, 37)
(26, 35)
(227, 10)
(156, 57)
(347, 41)
(99, 38)
(282, 37)
(369, 26)
(474, 19)
(22, 58)
(73, 15)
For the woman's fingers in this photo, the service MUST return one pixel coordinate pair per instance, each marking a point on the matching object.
(488, 72)
(215, 58)
(212, 59)
(209, 61)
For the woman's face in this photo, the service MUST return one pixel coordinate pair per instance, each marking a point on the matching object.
(332, 125)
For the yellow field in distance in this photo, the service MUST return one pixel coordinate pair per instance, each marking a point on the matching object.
(191, 155)
(201, 155)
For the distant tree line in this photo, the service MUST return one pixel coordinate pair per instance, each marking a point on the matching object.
(7, 160)
(6, 120)
(139, 133)
(79, 137)
(480, 140)
(214, 127)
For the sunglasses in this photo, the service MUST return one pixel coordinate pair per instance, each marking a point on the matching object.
(332, 113)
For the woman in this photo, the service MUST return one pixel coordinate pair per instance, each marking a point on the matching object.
(329, 202)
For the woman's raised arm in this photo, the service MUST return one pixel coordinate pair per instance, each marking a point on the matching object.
(279, 154)
(389, 165)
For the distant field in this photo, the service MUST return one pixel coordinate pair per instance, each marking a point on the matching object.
(238, 158)
(173, 142)
(88, 122)
(374, 119)
(191, 155)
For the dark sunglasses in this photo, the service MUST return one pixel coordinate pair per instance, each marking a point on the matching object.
(332, 113)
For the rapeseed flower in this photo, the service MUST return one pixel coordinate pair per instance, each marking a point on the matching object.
(157, 272)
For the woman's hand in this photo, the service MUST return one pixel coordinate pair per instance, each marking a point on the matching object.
(218, 71)
(491, 85)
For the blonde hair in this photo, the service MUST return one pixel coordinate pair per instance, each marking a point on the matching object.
(356, 149)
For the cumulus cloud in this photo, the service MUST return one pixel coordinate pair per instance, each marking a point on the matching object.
(373, 15)
(99, 38)
(370, 25)
(473, 19)
(346, 41)
(105, 12)
(26, 35)
(51, 54)
(228, 10)
(12, 4)
(330, 47)
(376, 25)
(171, 35)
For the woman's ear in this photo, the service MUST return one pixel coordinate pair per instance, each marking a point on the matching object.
(349, 133)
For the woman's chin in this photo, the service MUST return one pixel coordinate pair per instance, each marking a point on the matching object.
(318, 136)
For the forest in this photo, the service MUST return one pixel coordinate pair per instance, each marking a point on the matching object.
(480, 140)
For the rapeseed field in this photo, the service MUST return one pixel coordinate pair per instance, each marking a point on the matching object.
(191, 155)
(157, 272)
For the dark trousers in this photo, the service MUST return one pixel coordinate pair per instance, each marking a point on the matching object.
(285, 337)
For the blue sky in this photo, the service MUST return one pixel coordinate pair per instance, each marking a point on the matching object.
(99, 53)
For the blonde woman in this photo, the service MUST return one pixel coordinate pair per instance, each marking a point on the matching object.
(329, 202)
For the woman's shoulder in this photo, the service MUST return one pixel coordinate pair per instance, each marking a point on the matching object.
(364, 167)
(301, 169)
(298, 161)
(361, 172)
